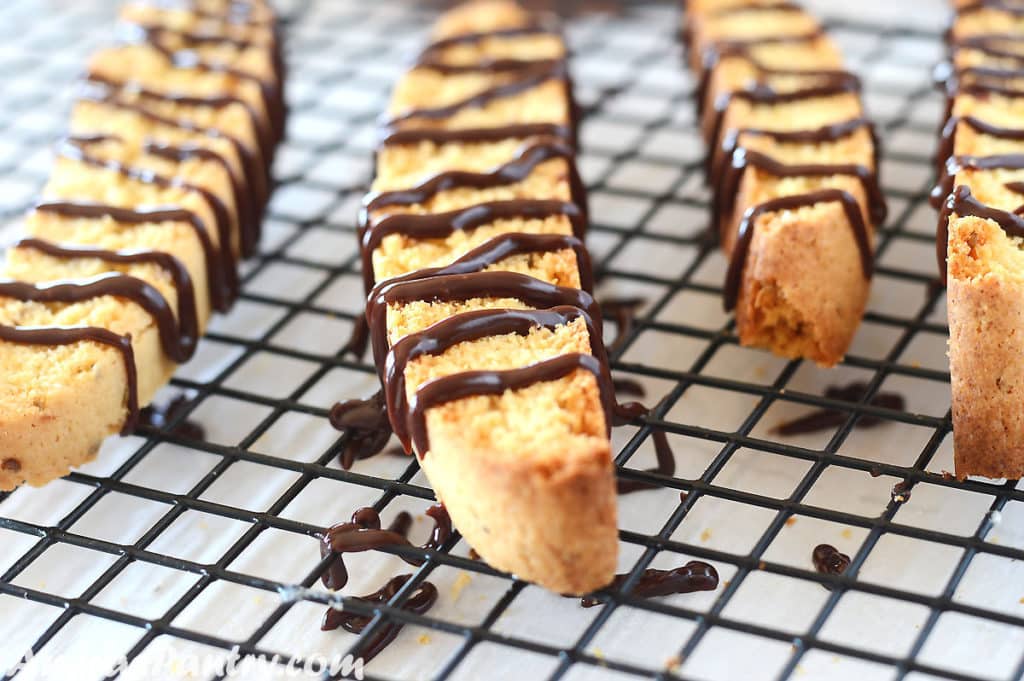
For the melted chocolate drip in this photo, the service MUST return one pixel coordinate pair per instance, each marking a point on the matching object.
(666, 465)
(159, 416)
(264, 134)
(829, 561)
(628, 386)
(366, 422)
(623, 312)
(694, 576)
(827, 419)
(419, 601)
(363, 533)
(77, 334)
(745, 235)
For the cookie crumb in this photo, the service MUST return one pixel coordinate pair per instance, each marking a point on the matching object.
(705, 535)
(461, 582)
(674, 663)
(847, 533)
(423, 640)
(791, 520)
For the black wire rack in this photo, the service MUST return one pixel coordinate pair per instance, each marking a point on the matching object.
(166, 540)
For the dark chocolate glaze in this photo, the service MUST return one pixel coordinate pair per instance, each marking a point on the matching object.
(666, 465)
(474, 37)
(694, 576)
(77, 334)
(828, 560)
(10, 465)
(734, 276)
(826, 419)
(226, 276)
(440, 225)
(419, 601)
(180, 336)
(159, 416)
(178, 342)
(363, 533)
(499, 248)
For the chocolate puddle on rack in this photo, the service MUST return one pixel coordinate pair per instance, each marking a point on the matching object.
(826, 419)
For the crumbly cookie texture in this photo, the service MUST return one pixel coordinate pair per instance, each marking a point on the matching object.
(772, 89)
(146, 195)
(984, 263)
(526, 475)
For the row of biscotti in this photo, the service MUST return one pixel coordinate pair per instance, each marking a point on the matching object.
(484, 330)
(154, 195)
(980, 194)
(792, 164)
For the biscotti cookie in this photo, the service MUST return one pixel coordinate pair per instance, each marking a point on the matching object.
(151, 201)
(792, 161)
(979, 239)
(488, 340)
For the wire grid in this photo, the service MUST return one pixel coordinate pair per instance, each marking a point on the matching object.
(279, 356)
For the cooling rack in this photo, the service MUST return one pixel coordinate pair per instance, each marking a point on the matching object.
(180, 551)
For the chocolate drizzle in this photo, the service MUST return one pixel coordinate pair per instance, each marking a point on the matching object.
(742, 159)
(459, 287)
(694, 576)
(745, 235)
(160, 416)
(439, 225)
(224, 278)
(179, 337)
(178, 341)
(419, 601)
(623, 312)
(529, 156)
(363, 533)
(727, 160)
